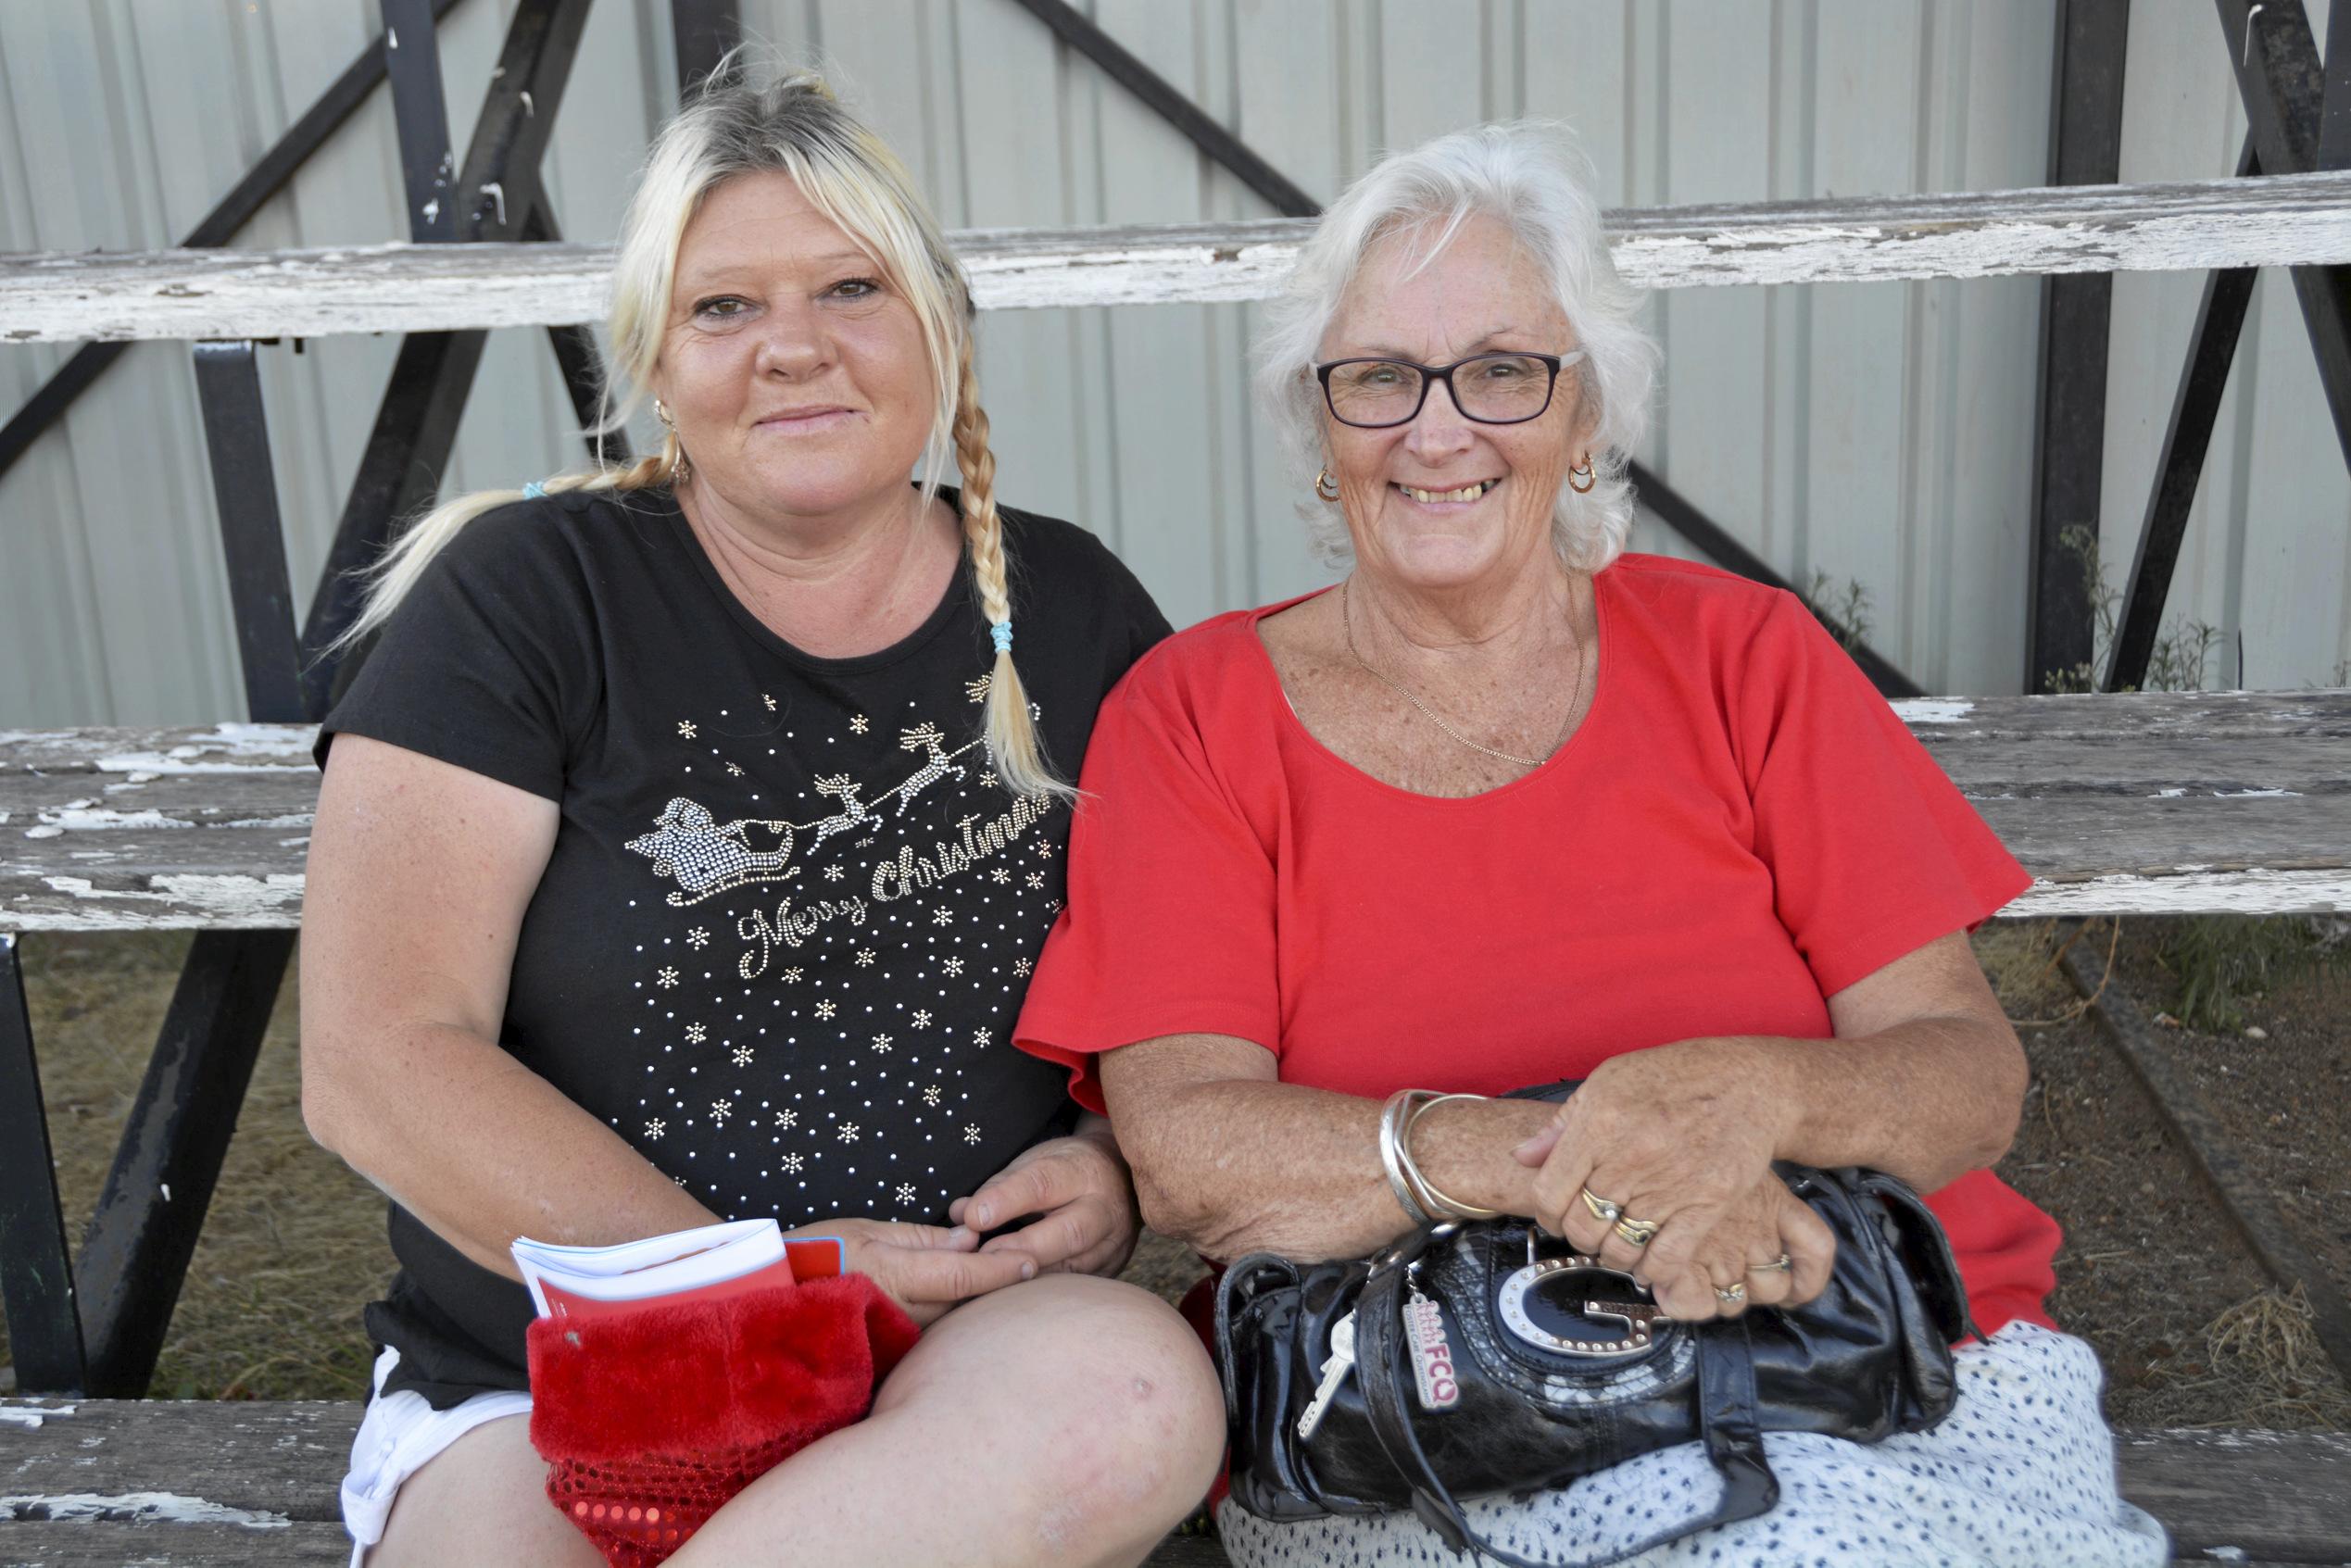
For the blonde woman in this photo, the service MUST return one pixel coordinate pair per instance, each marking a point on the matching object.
(682, 853)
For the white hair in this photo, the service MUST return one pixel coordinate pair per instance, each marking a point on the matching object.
(1529, 176)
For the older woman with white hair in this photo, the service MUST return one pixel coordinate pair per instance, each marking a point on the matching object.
(683, 851)
(1510, 805)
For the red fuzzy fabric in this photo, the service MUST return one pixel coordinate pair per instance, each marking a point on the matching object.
(653, 1420)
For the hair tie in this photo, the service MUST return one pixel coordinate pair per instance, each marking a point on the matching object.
(533, 491)
(1002, 632)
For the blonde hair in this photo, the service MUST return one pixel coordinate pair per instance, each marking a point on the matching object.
(1530, 176)
(791, 124)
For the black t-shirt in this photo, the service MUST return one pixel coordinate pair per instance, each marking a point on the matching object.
(783, 936)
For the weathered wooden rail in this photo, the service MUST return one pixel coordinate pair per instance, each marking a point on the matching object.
(2286, 220)
(104, 1482)
(2163, 803)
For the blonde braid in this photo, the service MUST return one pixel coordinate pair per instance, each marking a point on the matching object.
(1009, 731)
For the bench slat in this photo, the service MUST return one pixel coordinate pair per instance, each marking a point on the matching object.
(2145, 804)
(159, 1545)
(2282, 220)
(2281, 1496)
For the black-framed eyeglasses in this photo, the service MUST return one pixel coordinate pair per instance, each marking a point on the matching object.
(1493, 389)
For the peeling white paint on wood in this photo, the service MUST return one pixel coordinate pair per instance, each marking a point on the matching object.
(1933, 710)
(137, 1508)
(2197, 891)
(2283, 220)
(30, 1416)
(178, 902)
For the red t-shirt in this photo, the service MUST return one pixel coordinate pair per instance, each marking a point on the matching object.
(1741, 828)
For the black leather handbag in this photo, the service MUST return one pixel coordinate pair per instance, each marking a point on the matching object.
(1489, 1359)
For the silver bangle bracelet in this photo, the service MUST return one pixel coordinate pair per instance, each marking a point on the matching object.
(1452, 1207)
(1393, 1117)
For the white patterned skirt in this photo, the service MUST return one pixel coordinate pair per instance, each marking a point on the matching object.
(2020, 1474)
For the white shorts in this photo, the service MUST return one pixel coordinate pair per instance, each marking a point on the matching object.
(401, 1433)
(2020, 1474)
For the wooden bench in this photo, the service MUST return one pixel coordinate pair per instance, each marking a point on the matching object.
(112, 1482)
(2136, 804)
(2167, 803)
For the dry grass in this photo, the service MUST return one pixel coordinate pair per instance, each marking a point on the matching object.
(293, 1244)
(2261, 1359)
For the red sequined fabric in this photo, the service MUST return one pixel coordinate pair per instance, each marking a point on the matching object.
(652, 1420)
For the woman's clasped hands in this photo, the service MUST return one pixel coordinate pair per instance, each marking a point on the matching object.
(1660, 1165)
(1078, 1214)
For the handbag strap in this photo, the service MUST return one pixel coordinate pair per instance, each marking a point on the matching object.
(1727, 1418)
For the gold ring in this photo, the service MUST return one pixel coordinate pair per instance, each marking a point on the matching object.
(1778, 1265)
(1731, 1292)
(1607, 1213)
(1637, 1233)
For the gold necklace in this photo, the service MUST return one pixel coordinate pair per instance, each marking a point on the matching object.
(1575, 689)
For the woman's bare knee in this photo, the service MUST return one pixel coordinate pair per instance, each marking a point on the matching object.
(1130, 1423)
(481, 1499)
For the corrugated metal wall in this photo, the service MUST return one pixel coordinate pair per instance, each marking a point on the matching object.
(1877, 433)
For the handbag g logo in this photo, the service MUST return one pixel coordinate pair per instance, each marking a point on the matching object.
(1562, 1303)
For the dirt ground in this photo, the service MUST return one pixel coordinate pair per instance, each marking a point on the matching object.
(2190, 1330)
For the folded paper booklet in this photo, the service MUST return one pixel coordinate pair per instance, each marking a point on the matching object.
(708, 1264)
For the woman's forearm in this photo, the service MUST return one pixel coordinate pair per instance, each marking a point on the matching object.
(1929, 1099)
(481, 1148)
(1233, 1166)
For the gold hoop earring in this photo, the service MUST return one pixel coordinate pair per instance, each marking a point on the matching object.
(661, 413)
(1323, 479)
(1584, 470)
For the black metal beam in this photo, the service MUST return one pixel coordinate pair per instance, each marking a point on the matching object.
(264, 180)
(2086, 148)
(2285, 93)
(252, 534)
(419, 118)
(703, 32)
(416, 423)
(144, 1229)
(1073, 29)
(36, 1272)
(2195, 407)
(2335, 114)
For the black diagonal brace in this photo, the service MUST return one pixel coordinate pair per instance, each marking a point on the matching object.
(1239, 158)
(2285, 93)
(579, 361)
(416, 424)
(264, 180)
(2195, 409)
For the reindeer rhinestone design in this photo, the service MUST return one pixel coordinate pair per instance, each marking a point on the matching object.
(841, 788)
(924, 737)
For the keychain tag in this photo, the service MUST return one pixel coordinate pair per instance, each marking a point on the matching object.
(1432, 1353)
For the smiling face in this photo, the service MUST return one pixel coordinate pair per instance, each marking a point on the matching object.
(1444, 502)
(795, 372)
